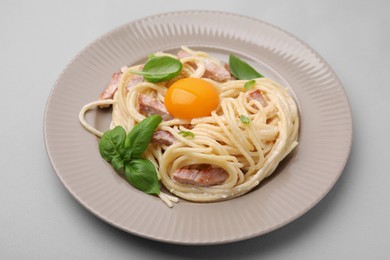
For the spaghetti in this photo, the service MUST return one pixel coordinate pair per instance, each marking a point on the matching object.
(245, 151)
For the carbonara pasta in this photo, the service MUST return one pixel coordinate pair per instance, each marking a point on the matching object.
(215, 157)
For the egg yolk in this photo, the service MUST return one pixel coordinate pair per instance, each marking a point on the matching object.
(191, 98)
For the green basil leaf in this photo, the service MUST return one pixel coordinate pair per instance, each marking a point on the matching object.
(142, 175)
(245, 119)
(150, 56)
(161, 68)
(139, 137)
(117, 162)
(242, 70)
(249, 84)
(187, 134)
(111, 145)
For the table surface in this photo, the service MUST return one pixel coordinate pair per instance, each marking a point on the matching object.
(40, 220)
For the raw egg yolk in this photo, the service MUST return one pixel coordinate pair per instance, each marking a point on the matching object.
(190, 98)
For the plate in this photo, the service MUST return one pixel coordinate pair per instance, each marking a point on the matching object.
(298, 184)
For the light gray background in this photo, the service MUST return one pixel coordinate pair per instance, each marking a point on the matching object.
(40, 220)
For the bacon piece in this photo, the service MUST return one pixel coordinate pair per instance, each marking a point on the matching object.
(212, 70)
(182, 54)
(151, 106)
(109, 92)
(134, 80)
(227, 68)
(163, 137)
(188, 126)
(256, 95)
(215, 71)
(206, 177)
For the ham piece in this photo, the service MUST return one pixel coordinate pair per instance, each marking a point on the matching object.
(134, 80)
(213, 70)
(151, 106)
(112, 87)
(256, 95)
(109, 91)
(183, 54)
(206, 177)
(162, 137)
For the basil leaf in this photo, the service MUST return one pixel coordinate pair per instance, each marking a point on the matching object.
(111, 145)
(150, 56)
(139, 137)
(242, 70)
(142, 175)
(162, 68)
(117, 162)
(124, 151)
(249, 84)
(245, 119)
(187, 134)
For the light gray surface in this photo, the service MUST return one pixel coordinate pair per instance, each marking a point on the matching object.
(40, 220)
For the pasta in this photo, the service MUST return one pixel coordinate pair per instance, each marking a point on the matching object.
(251, 130)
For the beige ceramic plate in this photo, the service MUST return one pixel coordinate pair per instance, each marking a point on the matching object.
(300, 182)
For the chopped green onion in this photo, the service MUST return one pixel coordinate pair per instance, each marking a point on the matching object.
(187, 134)
(245, 119)
(249, 84)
